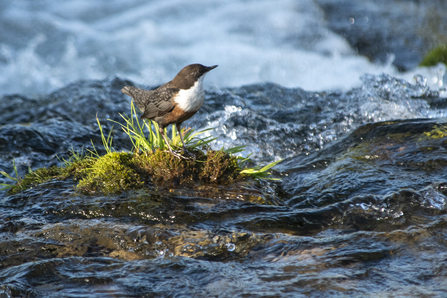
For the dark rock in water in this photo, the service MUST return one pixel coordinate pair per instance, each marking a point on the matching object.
(393, 148)
(406, 29)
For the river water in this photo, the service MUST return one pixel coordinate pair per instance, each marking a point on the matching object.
(360, 210)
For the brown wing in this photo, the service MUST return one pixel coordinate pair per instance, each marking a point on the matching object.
(152, 103)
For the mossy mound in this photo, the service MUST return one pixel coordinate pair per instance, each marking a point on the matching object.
(120, 171)
(214, 166)
(435, 56)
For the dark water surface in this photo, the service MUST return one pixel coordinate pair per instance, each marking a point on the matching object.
(360, 210)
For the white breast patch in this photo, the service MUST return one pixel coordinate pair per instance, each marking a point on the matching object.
(192, 99)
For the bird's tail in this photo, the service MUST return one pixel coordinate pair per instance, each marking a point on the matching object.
(128, 90)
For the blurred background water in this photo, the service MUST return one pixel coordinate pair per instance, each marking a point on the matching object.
(313, 44)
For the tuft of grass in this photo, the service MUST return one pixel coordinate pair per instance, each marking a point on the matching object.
(145, 135)
(77, 166)
(261, 172)
(135, 129)
(435, 56)
(17, 178)
(107, 142)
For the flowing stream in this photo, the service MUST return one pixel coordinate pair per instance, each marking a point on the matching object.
(361, 208)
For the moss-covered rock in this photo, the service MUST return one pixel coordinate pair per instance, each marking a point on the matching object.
(120, 171)
(212, 167)
(161, 167)
(219, 166)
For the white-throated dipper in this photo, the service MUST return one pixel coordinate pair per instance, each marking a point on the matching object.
(173, 102)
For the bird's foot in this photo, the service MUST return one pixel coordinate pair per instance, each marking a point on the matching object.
(176, 154)
(190, 154)
(182, 156)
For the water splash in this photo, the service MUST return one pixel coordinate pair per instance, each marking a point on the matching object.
(276, 122)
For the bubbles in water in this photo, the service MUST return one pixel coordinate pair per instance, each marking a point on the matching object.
(434, 199)
(421, 86)
(230, 246)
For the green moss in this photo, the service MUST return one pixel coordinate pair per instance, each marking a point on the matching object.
(219, 166)
(436, 133)
(116, 172)
(37, 177)
(163, 167)
(435, 56)
(111, 173)
(120, 171)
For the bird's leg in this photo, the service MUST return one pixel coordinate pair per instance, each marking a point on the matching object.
(181, 138)
(162, 132)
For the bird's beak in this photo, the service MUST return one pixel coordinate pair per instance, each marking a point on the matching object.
(211, 67)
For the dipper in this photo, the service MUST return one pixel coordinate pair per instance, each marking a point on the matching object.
(173, 102)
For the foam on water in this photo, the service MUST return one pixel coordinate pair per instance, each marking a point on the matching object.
(45, 45)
